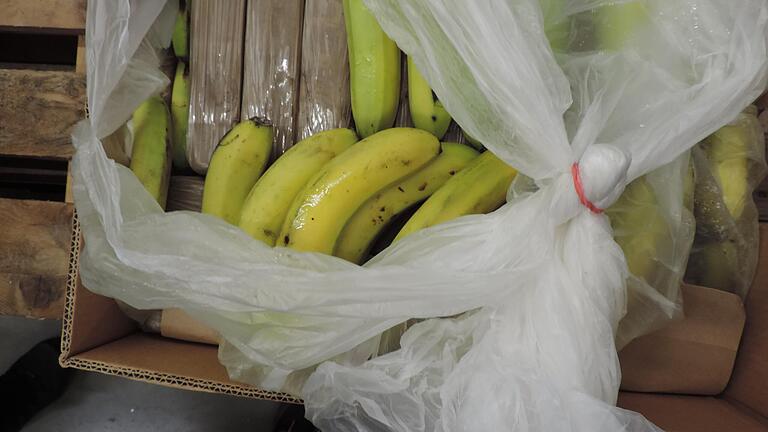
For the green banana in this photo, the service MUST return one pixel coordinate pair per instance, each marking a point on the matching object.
(717, 265)
(556, 26)
(180, 115)
(368, 221)
(427, 112)
(270, 198)
(152, 143)
(180, 37)
(319, 213)
(617, 24)
(480, 187)
(236, 164)
(638, 227)
(374, 66)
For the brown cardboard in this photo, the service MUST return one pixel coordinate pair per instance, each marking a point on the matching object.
(675, 413)
(96, 336)
(692, 356)
(177, 324)
(749, 385)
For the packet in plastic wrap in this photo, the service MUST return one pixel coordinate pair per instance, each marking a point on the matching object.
(729, 165)
(271, 68)
(403, 117)
(216, 60)
(185, 193)
(324, 100)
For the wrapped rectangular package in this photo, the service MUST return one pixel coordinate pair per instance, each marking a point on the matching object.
(216, 65)
(271, 69)
(324, 100)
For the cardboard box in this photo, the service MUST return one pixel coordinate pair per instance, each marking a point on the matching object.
(97, 336)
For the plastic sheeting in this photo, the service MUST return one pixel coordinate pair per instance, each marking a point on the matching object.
(535, 290)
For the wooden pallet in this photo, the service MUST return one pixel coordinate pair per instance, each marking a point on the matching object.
(42, 83)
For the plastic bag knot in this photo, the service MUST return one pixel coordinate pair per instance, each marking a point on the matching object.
(600, 176)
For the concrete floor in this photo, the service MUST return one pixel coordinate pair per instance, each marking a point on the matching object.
(96, 402)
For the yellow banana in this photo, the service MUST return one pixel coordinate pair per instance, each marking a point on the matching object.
(728, 154)
(427, 112)
(638, 227)
(180, 115)
(374, 66)
(480, 187)
(236, 164)
(365, 225)
(331, 197)
(152, 143)
(180, 37)
(270, 198)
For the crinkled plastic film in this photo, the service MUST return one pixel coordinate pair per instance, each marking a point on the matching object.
(185, 193)
(215, 75)
(272, 66)
(403, 116)
(324, 100)
(535, 291)
(729, 165)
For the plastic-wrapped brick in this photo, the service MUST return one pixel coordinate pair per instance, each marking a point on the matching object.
(215, 76)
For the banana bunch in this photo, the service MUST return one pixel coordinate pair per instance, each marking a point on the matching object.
(152, 144)
(639, 227)
(367, 223)
(269, 200)
(333, 194)
(481, 187)
(723, 255)
(374, 68)
(331, 197)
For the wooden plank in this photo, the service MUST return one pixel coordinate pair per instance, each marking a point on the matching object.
(58, 15)
(80, 65)
(34, 257)
(38, 110)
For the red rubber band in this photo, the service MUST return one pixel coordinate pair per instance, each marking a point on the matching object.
(580, 190)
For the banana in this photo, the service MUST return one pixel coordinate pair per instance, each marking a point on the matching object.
(152, 143)
(638, 227)
(180, 37)
(480, 187)
(557, 26)
(427, 112)
(728, 151)
(718, 265)
(374, 65)
(180, 115)
(236, 164)
(617, 24)
(368, 221)
(319, 213)
(270, 198)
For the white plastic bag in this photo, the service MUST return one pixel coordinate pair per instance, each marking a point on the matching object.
(538, 286)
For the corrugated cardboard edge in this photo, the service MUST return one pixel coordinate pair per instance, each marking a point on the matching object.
(67, 360)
